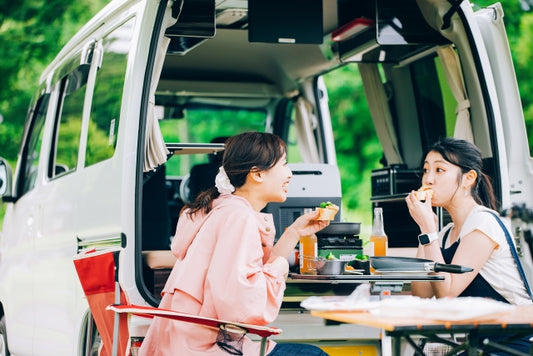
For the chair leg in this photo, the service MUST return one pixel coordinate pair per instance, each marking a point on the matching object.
(263, 346)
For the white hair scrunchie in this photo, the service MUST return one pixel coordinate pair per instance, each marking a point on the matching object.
(223, 183)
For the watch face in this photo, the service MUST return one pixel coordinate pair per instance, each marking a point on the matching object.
(424, 239)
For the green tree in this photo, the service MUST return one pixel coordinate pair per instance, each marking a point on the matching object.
(31, 33)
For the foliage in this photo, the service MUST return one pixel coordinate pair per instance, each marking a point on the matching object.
(31, 33)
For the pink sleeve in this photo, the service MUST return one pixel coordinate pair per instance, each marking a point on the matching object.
(242, 287)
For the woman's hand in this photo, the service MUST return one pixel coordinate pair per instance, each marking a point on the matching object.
(307, 224)
(422, 213)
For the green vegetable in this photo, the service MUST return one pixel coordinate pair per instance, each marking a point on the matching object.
(331, 256)
(362, 257)
(325, 204)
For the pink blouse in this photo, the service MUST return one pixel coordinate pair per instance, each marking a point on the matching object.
(221, 272)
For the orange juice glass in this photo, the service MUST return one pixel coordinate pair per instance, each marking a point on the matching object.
(308, 253)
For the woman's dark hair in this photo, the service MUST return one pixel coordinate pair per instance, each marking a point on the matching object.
(467, 156)
(243, 153)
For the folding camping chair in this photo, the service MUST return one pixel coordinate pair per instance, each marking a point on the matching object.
(98, 274)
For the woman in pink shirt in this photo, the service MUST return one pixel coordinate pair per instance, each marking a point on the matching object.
(227, 264)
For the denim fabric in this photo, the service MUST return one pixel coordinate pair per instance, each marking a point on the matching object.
(296, 350)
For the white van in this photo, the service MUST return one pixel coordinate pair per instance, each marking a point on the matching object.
(134, 99)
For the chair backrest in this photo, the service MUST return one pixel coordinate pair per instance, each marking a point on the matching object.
(96, 272)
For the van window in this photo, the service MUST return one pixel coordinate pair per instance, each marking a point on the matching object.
(66, 146)
(32, 148)
(202, 124)
(197, 123)
(107, 98)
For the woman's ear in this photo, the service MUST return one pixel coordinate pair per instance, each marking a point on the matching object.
(469, 178)
(255, 175)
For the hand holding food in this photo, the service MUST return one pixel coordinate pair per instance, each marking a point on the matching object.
(327, 211)
(423, 192)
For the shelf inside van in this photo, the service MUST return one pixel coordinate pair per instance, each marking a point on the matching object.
(194, 148)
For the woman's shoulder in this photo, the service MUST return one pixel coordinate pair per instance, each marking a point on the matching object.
(485, 215)
(486, 221)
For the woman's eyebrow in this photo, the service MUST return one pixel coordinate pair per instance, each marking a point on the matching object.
(440, 161)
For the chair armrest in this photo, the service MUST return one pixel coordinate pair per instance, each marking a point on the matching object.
(262, 331)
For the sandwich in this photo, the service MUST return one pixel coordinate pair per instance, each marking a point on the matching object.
(423, 192)
(327, 211)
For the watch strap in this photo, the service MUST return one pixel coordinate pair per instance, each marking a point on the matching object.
(426, 239)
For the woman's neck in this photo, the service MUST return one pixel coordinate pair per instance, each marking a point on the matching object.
(255, 201)
(459, 211)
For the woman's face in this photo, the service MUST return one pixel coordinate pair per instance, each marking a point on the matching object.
(276, 181)
(442, 177)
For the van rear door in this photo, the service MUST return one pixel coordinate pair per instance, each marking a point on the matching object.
(513, 133)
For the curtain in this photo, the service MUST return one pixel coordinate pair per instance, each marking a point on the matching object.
(305, 123)
(156, 152)
(454, 75)
(380, 112)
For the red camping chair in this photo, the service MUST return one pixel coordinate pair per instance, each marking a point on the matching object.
(98, 274)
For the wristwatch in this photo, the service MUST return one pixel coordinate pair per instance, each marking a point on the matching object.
(426, 239)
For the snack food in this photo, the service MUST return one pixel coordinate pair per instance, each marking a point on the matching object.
(423, 192)
(327, 211)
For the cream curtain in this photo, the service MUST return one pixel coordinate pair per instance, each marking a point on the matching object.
(305, 123)
(454, 75)
(156, 152)
(380, 112)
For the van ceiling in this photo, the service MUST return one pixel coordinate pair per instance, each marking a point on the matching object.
(227, 56)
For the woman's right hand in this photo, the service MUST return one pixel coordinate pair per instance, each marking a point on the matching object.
(422, 213)
(306, 224)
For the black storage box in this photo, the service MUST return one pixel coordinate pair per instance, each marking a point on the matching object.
(394, 180)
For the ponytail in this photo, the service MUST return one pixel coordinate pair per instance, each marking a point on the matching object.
(483, 192)
(203, 202)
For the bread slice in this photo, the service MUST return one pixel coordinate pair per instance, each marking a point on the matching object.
(423, 192)
(327, 211)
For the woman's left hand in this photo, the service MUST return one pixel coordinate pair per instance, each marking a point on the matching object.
(422, 213)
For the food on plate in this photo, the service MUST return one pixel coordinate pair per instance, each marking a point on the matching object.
(423, 192)
(360, 262)
(327, 211)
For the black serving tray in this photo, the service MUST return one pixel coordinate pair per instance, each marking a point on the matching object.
(340, 229)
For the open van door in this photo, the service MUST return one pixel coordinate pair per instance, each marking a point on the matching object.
(513, 133)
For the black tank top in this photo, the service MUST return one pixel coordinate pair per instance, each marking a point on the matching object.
(479, 287)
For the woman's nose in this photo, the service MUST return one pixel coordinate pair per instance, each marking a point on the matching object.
(428, 178)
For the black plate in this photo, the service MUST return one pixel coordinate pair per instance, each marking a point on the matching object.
(340, 229)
